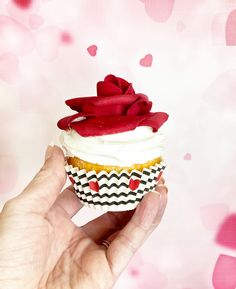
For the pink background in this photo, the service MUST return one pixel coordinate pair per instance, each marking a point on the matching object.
(182, 54)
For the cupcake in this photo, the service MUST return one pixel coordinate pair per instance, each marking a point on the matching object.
(113, 146)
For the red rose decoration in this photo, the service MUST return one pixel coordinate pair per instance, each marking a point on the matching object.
(116, 108)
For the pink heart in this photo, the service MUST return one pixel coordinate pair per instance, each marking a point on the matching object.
(66, 37)
(227, 232)
(146, 61)
(230, 29)
(159, 10)
(133, 184)
(94, 186)
(187, 157)
(224, 275)
(24, 4)
(92, 50)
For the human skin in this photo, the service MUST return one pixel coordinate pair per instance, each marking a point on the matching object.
(41, 248)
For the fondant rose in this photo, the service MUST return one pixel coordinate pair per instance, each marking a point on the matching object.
(116, 108)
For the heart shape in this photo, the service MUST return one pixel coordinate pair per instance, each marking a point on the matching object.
(226, 235)
(24, 4)
(72, 180)
(159, 176)
(94, 186)
(133, 184)
(92, 50)
(159, 10)
(224, 275)
(187, 157)
(146, 61)
(230, 31)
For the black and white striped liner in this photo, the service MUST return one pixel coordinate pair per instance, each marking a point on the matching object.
(114, 191)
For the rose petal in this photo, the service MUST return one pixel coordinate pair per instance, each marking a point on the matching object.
(141, 106)
(155, 120)
(120, 82)
(65, 122)
(107, 88)
(116, 109)
(81, 103)
(103, 125)
(113, 85)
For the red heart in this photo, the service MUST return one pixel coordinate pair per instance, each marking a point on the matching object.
(94, 186)
(72, 180)
(133, 184)
(24, 4)
(159, 176)
(92, 50)
(146, 60)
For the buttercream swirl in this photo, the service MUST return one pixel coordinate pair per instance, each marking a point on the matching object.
(122, 149)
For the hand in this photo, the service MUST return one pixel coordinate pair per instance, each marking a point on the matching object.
(40, 247)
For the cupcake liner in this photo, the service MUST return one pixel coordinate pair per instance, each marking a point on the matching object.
(114, 191)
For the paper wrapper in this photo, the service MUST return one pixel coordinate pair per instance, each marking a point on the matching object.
(114, 191)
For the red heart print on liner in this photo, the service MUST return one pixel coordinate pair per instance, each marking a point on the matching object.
(146, 61)
(92, 50)
(133, 184)
(159, 176)
(72, 180)
(23, 4)
(94, 186)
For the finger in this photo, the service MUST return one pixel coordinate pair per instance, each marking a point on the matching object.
(45, 187)
(102, 227)
(69, 202)
(146, 217)
(161, 181)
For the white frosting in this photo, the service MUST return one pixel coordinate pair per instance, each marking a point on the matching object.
(122, 149)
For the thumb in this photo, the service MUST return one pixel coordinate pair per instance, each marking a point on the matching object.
(43, 190)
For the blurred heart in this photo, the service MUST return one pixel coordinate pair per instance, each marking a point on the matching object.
(24, 4)
(230, 29)
(159, 10)
(94, 186)
(146, 61)
(92, 50)
(133, 184)
(227, 233)
(187, 157)
(224, 275)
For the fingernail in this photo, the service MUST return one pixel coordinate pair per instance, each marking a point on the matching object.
(49, 151)
(148, 209)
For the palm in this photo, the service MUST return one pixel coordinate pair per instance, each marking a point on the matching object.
(74, 257)
(53, 252)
